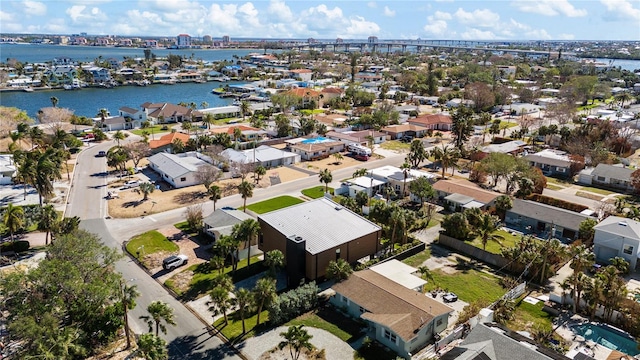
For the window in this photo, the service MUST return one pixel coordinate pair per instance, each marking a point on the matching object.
(389, 336)
(439, 322)
(362, 310)
(560, 169)
(183, 179)
(627, 249)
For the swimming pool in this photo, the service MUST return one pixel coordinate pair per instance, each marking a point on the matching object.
(607, 337)
(315, 140)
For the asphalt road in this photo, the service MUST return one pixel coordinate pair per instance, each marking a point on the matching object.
(189, 339)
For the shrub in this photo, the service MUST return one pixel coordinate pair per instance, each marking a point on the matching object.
(17, 247)
(293, 303)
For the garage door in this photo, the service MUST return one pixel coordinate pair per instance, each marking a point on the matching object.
(605, 253)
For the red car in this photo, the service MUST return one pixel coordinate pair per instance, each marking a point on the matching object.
(361, 157)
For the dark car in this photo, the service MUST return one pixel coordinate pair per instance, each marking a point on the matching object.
(361, 157)
(101, 153)
(450, 297)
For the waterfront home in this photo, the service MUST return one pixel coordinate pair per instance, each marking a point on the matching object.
(98, 74)
(178, 170)
(115, 123)
(301, 74)
(439, 122)
(162, 113)
(222, 111)
(402, 319)
(189, 77)
(551, 162)
(263, 155)
(460, 194)
(165, 142)
(544, 221)
(248, 134)
(63, 61)
(609, 176)
(314, 233)
(618, 237)
(7, 169)
(61, 75)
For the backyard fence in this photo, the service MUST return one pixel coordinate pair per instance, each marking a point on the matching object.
(475, 252)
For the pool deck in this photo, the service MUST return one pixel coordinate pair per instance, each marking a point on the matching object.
(579, 343)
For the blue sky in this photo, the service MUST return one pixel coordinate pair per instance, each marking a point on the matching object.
(350, 19)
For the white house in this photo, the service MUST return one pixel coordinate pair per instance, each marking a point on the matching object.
(618, 236)
(7, 169)
(177, 170)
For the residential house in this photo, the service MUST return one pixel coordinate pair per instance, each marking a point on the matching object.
(317, 151)
(616, 177)
(7, 169)
(162, 113)
(544, 221)
(551, 162)
(301, 74)
(490, 341)
(99, 74)
(402, 130)
(221, 221)
(618, 236)
(334, 120)
(264, 155)
(402, 319)
(223, 111)
(514, 147)
(306, 95)
(248, 134)
(179, 170)
(313, 233)
(63, 60)
(61, 75)
(165, 143)
(357, 137)
(459, 194)
(131, 113)
(400, 273)
(368, 184)
(114, 123)
(397, 177)
(454, 103)
(522, 108)
(438, 122)
(330, 93)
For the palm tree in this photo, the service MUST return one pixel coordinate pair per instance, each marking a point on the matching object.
(35, 135)
(245, 108)
(582, 258)
(208, 119)
(13, 219)
(504, 311)
(338, 157)
(146, 188)
(623, 97)
(425, 273)
(620, 264)
(339, 270)
(246, 230)
(47, 221)
(274, 259)
(264, 293)
(326, 178)
(25, 170)
(129, 295)
(245, 189)
(220, 302)
(259, 171)
(486, 229)
(550, 250)
(118, 136)
(237, 134)
(47, 169)
(215, 194)
(103, 113)
(406, 168)
(159, 311)
(152, 347)
(54, 101)
(296, 339)
(244, 301)
(447, 157)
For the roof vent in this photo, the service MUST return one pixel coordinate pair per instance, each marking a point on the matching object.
(338, 208)
(622, 223)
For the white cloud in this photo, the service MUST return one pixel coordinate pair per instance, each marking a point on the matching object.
(476, 34)
(372, 4)
(442, 15)
(223, 18)
(5, 16)
(566, 37)
(538, 34)
(359, 27)
(388, 12)
(34, 8)
(436, 27)
(549, 7)
(321, 20)
(483, 18)
(620, 9)
(278, 10)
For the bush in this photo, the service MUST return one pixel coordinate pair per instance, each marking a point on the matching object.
(17, 247)
(293, 303)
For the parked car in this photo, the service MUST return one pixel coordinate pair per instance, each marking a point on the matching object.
(101, 153)
(131, 184)
(361, 157)
(174, 261)
(450, 297)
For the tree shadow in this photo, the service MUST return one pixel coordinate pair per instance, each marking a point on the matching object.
(133, 203)
(189, 197)
(195, 348)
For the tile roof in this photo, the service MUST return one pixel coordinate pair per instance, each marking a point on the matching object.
(402, 310)
(168, 139)
(316, 147)
(431, 119)
(465, 187)
(332, 90)
(165, 110)
(303, 92)
(547, 213)
(322, 223)
(230, 129)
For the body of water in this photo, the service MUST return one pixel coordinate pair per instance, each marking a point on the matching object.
(89, 101)
(623, 64)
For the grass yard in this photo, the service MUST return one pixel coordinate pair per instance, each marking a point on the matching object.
(554, 187)
(558, 181)
(507, 124)
(233, 330)
(155, 130)
(315, 192)
(327, 318)
(395, 145)
(311, 112)
(529, 316)
(149, 243)
(469, 284)
(493, 247)
(417, 259)
(204, 275)
(588, 195)
(597, 190)
(275, 203)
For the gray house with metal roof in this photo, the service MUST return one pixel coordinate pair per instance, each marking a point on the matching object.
(609, 176)
(618, 236)
(313, 233)
(543, 221)
(221, 221)
(177, 170)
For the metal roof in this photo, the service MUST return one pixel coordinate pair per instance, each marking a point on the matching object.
(617, 172)
(175, 166)
(547, 213)
(322, 223)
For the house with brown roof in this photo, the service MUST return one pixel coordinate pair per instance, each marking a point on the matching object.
(248, 134)
(330, 93)
(305, 94)
(165, 142)
(402, 319)
(459, 194)
(335, 120)
(301, 74)
(162, 113)
(440, 122)
(402, 130)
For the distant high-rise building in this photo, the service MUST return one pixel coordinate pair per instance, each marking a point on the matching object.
(311, 40)
(339, 40)
(207, 39)
(372, 39)
(226, 39)
(183, 40)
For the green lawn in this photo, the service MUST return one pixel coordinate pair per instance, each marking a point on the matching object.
(597, 190)
(589, 195)
(417, 259)
(149, 243)
(395, 145)
(275, 203)
(155, 129)
(507, 124)
(315, 192)
(233, 330)
(528, 317)
(311, 112)
(469, 284)
(329, 319)
(493, 247)
(203, 277)
(374, 351)
(554, 187)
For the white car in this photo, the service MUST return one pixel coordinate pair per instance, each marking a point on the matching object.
(131, 184)
(174, 261)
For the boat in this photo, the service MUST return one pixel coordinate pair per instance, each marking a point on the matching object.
(28, 89)
(218, 91)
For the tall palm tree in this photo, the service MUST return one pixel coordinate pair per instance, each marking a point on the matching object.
(103, 113)
(550, 250)
(406, 168)
(582, 259)
(47, 221)
(264, 293)
(36, 135)
(487, 228)
(54, 101)
(245, 189)
(274, 259)
(215, 194)
(208, 119)
(237, 134)
(146, 188)
(326, 178)
(128, 299)
(250, 230)
(13, 219)
(220, 302)
(296, 339)
(245, 108)
(244, 301)
(119, 136)
(26, 169)
(159, 311)
(447, 156)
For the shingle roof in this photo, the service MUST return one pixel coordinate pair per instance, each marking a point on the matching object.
(322, 223)
(467, 188)
(613, 172)
(402, 128)
(550, 157)
(400, 309)
(431, 119)
(223, 220)
(547, 213)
